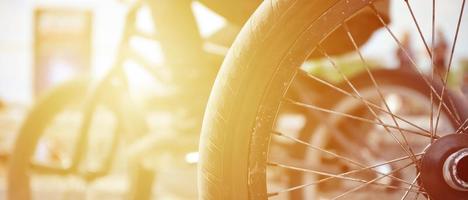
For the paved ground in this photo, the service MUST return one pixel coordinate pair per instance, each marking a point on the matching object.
(176, 179)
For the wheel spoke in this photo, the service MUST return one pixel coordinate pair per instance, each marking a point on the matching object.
(411, 186)
(439, 99)
(330, 176)
(313, 107)
(345, 158)
(365, 100)
(452, 51)
(319, 149)
(452, 105)
(429, 52)
(371, 181)
(406, 150)
(410, 9)
(348, 173)
(462, 127)
(340, 137)
(376, 86)
(415, 66)
(432, 69)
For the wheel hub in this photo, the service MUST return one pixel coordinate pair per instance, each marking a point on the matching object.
(444, 168)
(456, 170)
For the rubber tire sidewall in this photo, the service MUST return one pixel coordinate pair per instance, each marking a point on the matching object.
(238, 91)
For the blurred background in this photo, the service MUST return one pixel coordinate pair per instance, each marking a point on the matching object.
(45, 43)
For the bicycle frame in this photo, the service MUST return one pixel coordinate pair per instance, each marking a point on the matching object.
(182, 47)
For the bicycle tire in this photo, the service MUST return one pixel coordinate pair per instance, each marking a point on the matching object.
(254, 76)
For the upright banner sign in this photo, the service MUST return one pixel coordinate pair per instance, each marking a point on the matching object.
(62, 46)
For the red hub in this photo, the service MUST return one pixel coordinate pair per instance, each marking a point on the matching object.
(444, 168)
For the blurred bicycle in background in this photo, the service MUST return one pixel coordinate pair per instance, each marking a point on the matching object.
(80, 130)
(315, 99)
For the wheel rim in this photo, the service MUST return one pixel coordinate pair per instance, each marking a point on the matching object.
(262, 134)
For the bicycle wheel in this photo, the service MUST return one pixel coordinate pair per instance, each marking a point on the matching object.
(250, 90)
(336, 134)
(55, 119)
